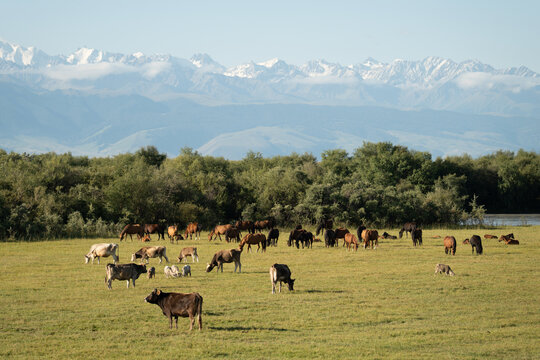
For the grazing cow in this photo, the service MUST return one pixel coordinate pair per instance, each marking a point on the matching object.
(174, 305)
(171, 271)
(245, 225)
(339, 233)
(329, 238)
(123, 272)
(173, 233)
(487, 236)
(188, 251)
(445, 269)
(416, 236)
(465, 242)
(272, 238)
(476, 244)
(155, 228)
(370, 237)
(450, 245)
(132, 229)
(218, 231)
(152, 273)
(225, 256)
(407, 227)
(186, 270)
(102, 250)
(193, 228)
(147, 252)
(281, 273)
(351, 241)
(253, 239)
(232, 234)
(386, 235)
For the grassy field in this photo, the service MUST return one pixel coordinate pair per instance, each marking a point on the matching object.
(383, 303)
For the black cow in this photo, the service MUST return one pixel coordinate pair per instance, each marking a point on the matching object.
(281, 273)
(178, 304)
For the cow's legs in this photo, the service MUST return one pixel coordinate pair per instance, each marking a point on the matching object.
(127, 283)
(280, 286)
(133, 280)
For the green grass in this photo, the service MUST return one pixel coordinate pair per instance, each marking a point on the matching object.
(383, 303)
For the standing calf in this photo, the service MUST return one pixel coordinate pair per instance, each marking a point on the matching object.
(174, 305)
(281, 273)
(152, 273)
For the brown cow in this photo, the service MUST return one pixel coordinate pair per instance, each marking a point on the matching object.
(225, 256)
(178, 304)
(131, 229)
(450, 245)
(218, 231)
(155, 228)
(487, 236)
(369, 237)
(123, 272)
(188, 251)
(252, 239)
(147, 252)
(193, 228)
(351, 240)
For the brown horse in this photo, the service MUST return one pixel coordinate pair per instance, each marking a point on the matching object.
(488, 236)
(416, 236)
(172, 232)
(340, 233)
(132, 229)
(351, 240)
(450, 245)
(407, 227)
(370, 236)
(218, 231)
(252, 239)
(193, 228)
(155, 228)
(245, 225)
(263, 224)
(232, 234)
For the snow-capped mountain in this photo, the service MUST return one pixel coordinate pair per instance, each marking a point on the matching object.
(55, 100)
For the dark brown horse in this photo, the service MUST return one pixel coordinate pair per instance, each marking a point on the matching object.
(132, 229)
(218, 231)
(263, 224)
(193, 228)
(370, 237)
(253, 239)
(232, 234)
(416, 236)
(324, 224)
(407, 228)
(295, 236)
(450, 245)
(245, 225)
(155, 228)
(340, 234)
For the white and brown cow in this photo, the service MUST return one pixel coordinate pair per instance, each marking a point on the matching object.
(147, 252)
(188, 251)
(102, 250)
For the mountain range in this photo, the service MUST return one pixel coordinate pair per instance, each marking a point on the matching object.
(100, 103)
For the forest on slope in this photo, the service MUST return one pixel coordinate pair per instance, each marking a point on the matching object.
(380, 184)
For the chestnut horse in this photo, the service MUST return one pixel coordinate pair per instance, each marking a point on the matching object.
(351, 240)
(131, 229)
(218, 231)
(193, 228)
(252, 239)
(450, 245)
(370, 236)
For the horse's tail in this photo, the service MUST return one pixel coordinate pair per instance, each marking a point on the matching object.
(264, 244)
(479, 248)
(401, 232)
(319, 227)
(454, 247)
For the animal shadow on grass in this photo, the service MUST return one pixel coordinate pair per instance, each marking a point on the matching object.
(316, 291)
(248, 328)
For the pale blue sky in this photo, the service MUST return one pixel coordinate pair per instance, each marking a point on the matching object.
(500, 33)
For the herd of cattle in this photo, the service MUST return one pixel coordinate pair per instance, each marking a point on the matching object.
(174, 305)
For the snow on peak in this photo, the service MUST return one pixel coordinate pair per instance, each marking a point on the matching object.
(269, 63)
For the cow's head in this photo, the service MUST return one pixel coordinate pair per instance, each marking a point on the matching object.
(142, 269)
(209, 267)
(133, 257)
(86, 259)
(153, 297)
(291, 284)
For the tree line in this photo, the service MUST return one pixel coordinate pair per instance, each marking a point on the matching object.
(380, 184)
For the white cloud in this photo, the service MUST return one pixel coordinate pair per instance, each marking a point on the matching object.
(487, 81)
(95, 71)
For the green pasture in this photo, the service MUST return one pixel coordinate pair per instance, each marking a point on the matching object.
(384, 304)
